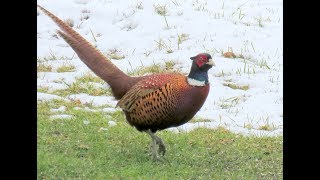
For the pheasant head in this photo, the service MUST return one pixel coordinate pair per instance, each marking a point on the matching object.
(198, 75)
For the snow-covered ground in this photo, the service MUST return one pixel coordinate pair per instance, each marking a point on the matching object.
(252, 28)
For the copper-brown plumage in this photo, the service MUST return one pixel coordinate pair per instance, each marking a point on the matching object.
(153, 102)
(150, 103)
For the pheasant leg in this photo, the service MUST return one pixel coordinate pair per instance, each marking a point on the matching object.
(156, 141)
(162, 147)
(153, 148)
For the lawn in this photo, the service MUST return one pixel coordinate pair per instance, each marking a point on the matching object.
(87, 146)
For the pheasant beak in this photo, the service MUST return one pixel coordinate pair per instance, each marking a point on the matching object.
(210, 62)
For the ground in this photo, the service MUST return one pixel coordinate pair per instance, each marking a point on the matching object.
(246, 95)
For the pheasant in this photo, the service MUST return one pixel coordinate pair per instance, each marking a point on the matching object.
(152, 102)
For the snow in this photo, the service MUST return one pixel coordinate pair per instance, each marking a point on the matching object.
(93, 100)
(251, 28)
(60, 109)
(112, 123)
(110, 110)
(103, 129)
(85, 122)
(48, 97)
(61, 116)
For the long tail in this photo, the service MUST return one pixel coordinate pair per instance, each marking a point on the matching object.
(93, 58)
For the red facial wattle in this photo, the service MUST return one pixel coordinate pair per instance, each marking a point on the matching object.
(201, 60)
(200, 63)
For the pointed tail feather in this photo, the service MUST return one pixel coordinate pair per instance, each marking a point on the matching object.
(93, 58)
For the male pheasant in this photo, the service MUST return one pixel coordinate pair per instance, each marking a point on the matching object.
(152, 102)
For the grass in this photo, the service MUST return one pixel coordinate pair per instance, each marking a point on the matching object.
(93, 35)
(86, 147)
(70, 22)
(44, 68)
(155, 68)
(231, 102)
(139, 5)
(222, 74)
(265, 128)
(181, 38)
(267, 125)
(199, 119)
(43, 89)
(79, 25)
(200, 6)
(115, 54)
(147, 53)
(72, 149)
(160, 44)
(162, 11)
(85, 84)
(259, 21)
(263, 64)
(53, 57)
(84, 11)
(66, 68)
(175, 2)
(247, 69)
(90, 77)
(234, 86)
(229, 55)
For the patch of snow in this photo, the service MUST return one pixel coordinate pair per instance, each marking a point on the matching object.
(173, 129)
(81, 1)
(103, 129)
(61, 116)
(87, 109)
(112, 123)
(236, 129)
(85, 122)
(48, 97)
(111, 110)
(253, 29)
(94, 100)
(60, 109)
